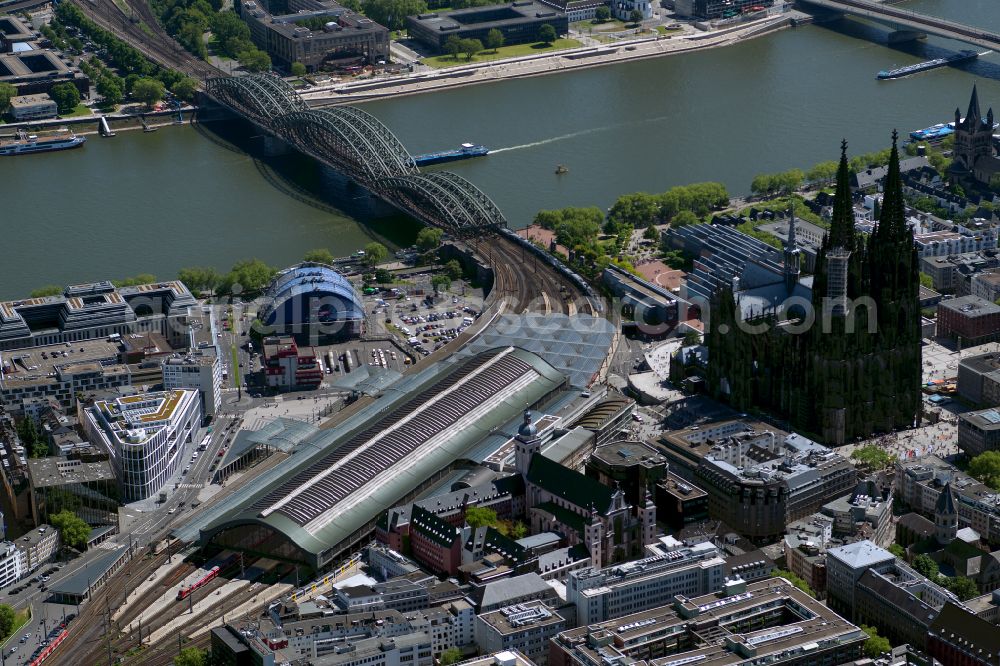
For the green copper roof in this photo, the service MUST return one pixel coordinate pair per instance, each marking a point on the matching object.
(568, 484)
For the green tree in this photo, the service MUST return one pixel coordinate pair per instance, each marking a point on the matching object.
(8, 618)
(925, 566)
(872, 457)
(651, 233)
(32, 440)
(795, 580)
(7, 93)
(383, 276)
(392, 13)
(876, 645)
(684, 218)
(254, 60)
(249, 275)
(200, 279)
(480, 516)
(471, 47)
(135, 280)
(986, 468)
(149, 91)
(231, 33)
(320, 255)
(47, 290)
(962, 587)
(191, 656)
(298, 69)
(185, 88)
(72, 529)
(440, 282)
(602, 14)
(111, 88)
(453, 269)
(453, 46)
(821, 173)
(897, 550)
(926, 280)
(635, 17)
(451, 656)
(494, 40)
(691, 339)
(66, 97)
(375, 253)
(573, 226)
(547, 34)
(429, 238)
(638, 209)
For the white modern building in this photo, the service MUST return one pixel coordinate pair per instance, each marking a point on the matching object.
(526, 628)
(622, 9)
(200, 371)
(11, 564)
(673, 568)
(145, 436)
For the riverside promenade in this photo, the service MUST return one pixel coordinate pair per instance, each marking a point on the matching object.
(539, 65)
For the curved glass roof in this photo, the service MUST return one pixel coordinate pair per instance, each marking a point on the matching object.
(315, 280)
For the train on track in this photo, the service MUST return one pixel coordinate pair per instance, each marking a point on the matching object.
(187, 590)
(53, 644)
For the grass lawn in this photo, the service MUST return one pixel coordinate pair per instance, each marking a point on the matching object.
(593, 25)
(80, 111)
(146, 29)
(664, 30)
(512, 51)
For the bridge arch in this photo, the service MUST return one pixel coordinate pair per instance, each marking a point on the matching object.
(263, 97)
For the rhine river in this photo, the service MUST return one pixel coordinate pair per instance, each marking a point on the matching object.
(153, 203)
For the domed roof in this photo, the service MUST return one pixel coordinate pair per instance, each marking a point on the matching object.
(311, 281)
(527, 429)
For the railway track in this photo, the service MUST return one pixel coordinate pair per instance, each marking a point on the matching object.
(152, 41)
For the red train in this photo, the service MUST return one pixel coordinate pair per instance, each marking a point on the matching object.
(185, 592)
(48, 649)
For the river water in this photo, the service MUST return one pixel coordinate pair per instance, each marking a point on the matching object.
(179, 197)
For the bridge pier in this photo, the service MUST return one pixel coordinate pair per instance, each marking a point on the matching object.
(901, 36)
(357, 198)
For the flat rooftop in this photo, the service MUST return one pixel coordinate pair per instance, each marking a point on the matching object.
(970, 306)
(789, 622)
(985, 419)
(517, 618)
(487, 17)
(52, 471)
(42, 363)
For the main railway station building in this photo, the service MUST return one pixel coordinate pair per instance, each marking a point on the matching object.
(323, 501)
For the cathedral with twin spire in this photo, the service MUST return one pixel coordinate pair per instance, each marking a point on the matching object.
(841, 359)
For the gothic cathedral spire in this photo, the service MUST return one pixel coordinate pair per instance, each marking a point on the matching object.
(842, 224)
(892, 221)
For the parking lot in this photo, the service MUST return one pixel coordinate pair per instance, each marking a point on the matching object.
(425, 323)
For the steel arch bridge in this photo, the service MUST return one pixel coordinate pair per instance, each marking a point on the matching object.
(359, 146)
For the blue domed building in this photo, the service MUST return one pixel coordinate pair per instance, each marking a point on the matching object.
(314, 303)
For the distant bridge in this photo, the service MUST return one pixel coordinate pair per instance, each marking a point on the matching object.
(357, 145)
(912, 22)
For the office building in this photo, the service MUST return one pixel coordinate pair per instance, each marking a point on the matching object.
(672, 568)
(679, 502)
(37, 547)
(654, 310)
(526, 627)
(767, 622)
(146, 436)
(717, 9)
(979, 432)
(953, 274)
(758, 479)
(200, 370)
(36, 70)
(518, 21)
(979, 379)
(316, 33)
(844, 567)
(986, 285)
(89, 489)
(969, 319)
(32, 107)
(62, 372)
(96, 310)
(957, 636)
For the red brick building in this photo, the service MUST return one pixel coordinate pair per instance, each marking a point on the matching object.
(959, 638)
(971, 318)
(434, 542)
(288, 368)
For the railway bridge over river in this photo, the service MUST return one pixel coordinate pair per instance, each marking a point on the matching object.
(358, 146)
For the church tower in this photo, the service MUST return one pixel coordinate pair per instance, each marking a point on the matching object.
(945, 517)
(593, 536)
(792, 253)
(973, 136)
(648, 515)
(527, 444)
